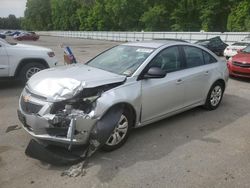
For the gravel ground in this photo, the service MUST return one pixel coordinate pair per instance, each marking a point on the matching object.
(197, 148)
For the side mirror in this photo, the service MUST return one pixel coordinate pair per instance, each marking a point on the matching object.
(155, 72)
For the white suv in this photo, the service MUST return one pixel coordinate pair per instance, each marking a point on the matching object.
(22, 61)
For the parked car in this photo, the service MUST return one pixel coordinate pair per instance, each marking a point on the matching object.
(148, 81)
(233, 49)
(215, 44)
(27, 36)
(22, 61)
(7, 33)
(2, 36)
(239, 65)
(15, 33)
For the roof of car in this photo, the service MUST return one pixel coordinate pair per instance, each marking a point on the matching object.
(152, 43)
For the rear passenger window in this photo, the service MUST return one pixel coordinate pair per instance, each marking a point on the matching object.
(208, 58)
(194, 56)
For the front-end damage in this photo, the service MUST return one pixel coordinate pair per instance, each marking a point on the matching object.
(97, 138)
(74, 110)
(64, 122)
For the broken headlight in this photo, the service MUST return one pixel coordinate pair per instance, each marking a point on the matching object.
(85, 104)
(85, 100)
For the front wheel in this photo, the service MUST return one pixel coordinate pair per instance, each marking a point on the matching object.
(214, 96)
(29, 70)
(120, 134)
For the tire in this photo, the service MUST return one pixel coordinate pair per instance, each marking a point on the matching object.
(27, 70)
(214, 96)
(126, 116)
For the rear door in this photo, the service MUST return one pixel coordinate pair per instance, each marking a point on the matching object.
(4, 61)
(163, 95)
(197, 74)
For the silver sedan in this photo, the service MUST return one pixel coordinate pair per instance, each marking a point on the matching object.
(146, 81)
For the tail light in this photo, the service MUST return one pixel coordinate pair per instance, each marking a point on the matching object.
(51, 54)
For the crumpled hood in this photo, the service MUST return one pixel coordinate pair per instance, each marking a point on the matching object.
(61, 83)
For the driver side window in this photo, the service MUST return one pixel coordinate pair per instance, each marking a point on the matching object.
(168, 60)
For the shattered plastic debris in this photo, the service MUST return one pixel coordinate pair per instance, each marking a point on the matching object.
(80, 168)
(98, 138)
(76, 170)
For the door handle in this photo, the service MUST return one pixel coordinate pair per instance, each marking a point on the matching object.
(207, 72)
(179, 81)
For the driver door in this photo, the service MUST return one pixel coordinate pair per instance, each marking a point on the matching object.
(161, 96)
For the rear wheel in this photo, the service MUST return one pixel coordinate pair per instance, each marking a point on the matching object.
(29, 70)
(121, 132)
(214, 96)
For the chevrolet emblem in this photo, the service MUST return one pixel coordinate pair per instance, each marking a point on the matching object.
(26, 98)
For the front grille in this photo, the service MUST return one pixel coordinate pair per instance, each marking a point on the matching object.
(29, 107)
(240, 64)
(241, 73)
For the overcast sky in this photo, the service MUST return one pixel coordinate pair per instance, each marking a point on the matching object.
(15, 7)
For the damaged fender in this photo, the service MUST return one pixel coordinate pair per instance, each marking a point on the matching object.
(98, 137)
(104, 127)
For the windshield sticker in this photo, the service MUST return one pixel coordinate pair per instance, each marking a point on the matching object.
(144, 50)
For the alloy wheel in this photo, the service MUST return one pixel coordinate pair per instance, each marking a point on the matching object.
(216, 95)
(119, 132)
(30, 72)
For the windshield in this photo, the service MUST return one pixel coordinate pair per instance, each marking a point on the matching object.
(247, 49)
(121, 59)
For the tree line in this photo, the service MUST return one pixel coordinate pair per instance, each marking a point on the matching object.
(137, 15)
(10, 22)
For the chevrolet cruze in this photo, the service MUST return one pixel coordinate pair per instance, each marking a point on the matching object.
(149, 80)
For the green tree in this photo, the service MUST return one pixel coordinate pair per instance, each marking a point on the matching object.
(10, 22)
(186, 16)
(134, 15)
(37, 15)
(155, 19)
(239, 18)
(124, 14)
(98, 18)
(83, 13)
(64, 14)
(214, 14)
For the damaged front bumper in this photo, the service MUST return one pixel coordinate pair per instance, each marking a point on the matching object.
(72, 129)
